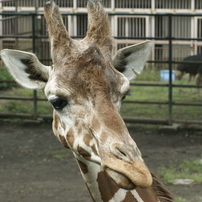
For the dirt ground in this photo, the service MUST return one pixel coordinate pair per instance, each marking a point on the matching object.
(34, 167)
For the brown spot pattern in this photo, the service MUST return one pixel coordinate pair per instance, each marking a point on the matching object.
(63, 141)
(83, 152)
(104, 183)
(129, 198)
(83, 167)
(56, 120)
(70, 137)
(147, 194)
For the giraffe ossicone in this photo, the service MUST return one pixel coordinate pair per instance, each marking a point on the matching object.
(85, 86)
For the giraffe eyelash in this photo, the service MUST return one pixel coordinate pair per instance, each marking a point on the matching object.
(128, 93)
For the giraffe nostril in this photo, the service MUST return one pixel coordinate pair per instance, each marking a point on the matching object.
(126, 153)
(122, 153)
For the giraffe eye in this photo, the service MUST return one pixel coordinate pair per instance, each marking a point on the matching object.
(126, 94)
(58, 103)
(123, 98)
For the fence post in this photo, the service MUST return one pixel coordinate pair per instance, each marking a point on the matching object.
(34, 51)
(170, 70)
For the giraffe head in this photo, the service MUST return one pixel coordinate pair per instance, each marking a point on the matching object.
(85, 89)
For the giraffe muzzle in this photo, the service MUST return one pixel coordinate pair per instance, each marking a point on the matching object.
(131, 178)
(126, 167)
(120, 179)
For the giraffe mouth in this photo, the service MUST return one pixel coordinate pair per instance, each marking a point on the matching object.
(130, 176)
(120, 179)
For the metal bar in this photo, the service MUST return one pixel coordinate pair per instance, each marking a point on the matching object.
(186, 104)
(21, 98)
(13, 116)
(110, 14)
(34, 50)
(117, 13)
(27, 116)
(175, 62)
(158, 121)
(138, 84)
(186, 86)
(187, 121)
(116, 37)
(16, 98)
(159, 38)
(149, 14)
(170, 69)
(145, 120)
(16, 13)
(15, 36)
(164, 85)
(163, 103)
(145, 102)
(149, 84)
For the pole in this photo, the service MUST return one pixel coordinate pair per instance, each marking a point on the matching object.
(34, 50)
(170, 69)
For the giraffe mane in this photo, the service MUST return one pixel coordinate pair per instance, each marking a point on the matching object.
(163, 194)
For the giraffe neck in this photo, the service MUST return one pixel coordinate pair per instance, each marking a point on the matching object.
(103, 189)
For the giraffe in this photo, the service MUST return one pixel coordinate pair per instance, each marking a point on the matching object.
(86, 85)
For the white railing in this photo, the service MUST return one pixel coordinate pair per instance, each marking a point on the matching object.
(151, 5)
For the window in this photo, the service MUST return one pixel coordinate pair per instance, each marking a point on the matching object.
(131, 27)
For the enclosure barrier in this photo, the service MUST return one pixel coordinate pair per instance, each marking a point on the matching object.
(169, 38)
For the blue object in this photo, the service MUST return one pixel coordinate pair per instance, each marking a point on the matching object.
(164, 74)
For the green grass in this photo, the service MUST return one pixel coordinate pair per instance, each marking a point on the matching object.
(149, 75)
(161, 94)
(188, 169)
(180, 199)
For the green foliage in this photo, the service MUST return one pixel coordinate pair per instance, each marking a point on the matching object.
(15, 107)
(188, 169)
(5, 75)
(9, 106)
(149, 75)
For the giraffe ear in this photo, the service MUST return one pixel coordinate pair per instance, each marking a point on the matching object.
(131, 60)
(25, 68)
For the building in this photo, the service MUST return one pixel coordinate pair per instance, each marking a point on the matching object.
(132, 21)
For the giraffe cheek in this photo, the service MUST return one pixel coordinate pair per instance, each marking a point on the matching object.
(70, 137)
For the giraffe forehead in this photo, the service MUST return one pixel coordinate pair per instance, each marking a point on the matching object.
(89, 72)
